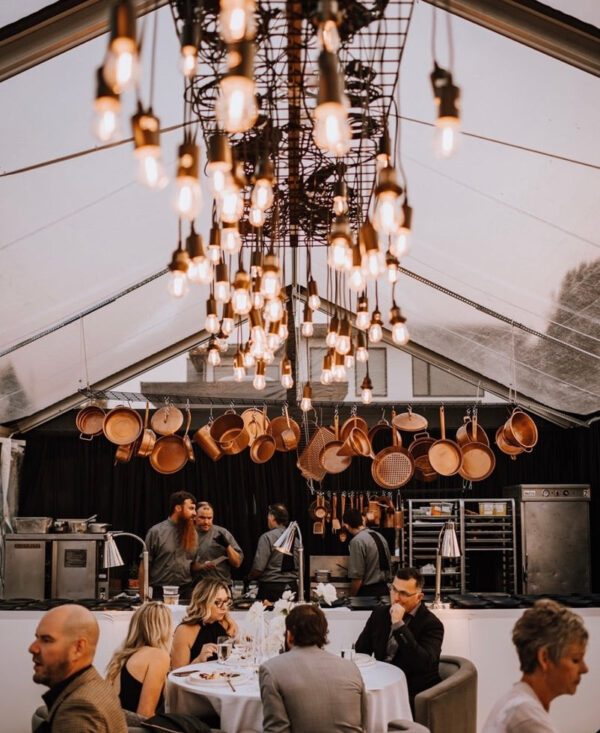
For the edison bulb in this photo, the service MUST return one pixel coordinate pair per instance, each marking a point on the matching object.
(219, 180)
(177, 286)
(188, 197)
(373, 263)
(387, 214)
(227, 326)
(445, 136)
(375, 333)
(338, 254)
(362, 354)
(239, 373)
(314, 302)
(349, 361)
(326, 376)
(400, 334)
(231, 240)
(283, 330)
(248, 359)
(392, 273)
(222, 290)
(211, 324)
(151, 171)
(214, 358)
(121, 66)
(200, 271)
(366, 396)
(306, 404)
(231, 205)
(270, 285)
(273, 341)
(400, 242)
(241, 301)
(356, 280)
(105, 123)
(343, 344)
(262, 194)
(236, 20)
(330, 339)
(307, 329)
(287, 381)
(363, 320)
(257, 299)
(236, 108)
(259, 382)
(189, 61)
(273, 310)
(256, 217)
(332, 132)
(259, 342)
(339, 373)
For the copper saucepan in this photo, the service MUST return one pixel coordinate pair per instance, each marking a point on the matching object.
(256, 423)
(167, 420)
(186, 438)
(203, 438)
(464, 434)
(445, 455)
(122, 425)
(226, 429)
(89, 421)
(263, 446)
(148, 439)
(520, 430)
(286, 432)
(478, 459)
(124, 453)
(419, 450)
(509, 450)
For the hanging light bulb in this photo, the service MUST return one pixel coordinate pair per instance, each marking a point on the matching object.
(283, 326)
(227, 322)
(338, 370)
(307, 322)
(273, 338)
(366, 390)
(231, 239)
(260, 381)
(363, 319)
(262, 193)
(400, 240)
(328, 18)
(221, 341)
(314, 302)
(373, 261)
(189, 42)
(356, 280)
(287, 379)
(362, 352)
(107, 106)
(271, 276)
(400, 334)
(220, 162)
(121, 65)
(241, 293)
(222, 288)
(340, 198)
(200, 268)
(332, 330)
(340, 239)
(214, 356)
(332, 131)
(273, 309)
(214, 244)
(239, 371)
(383, 158)
(349, 358)
(391, 264)
(230, 204)
(256, 296)
(376, 329)
(236, 108)
(248, 356)
(237, 20)
(306, 401)
(258, 337)
(256, 217)
(269, 357)
(256, 263)
(178, 282)
(188, 195)
(343, 340)
(387, 209)
(326, 375)
(211, 324)
(447, 124)
(146, 131)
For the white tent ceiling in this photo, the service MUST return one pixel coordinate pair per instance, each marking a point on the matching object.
(511, 227)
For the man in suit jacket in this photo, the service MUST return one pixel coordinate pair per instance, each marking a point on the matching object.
(309, 689)
(406, 633)
(79, 700)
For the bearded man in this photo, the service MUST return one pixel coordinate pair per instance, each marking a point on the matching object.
(172, 547)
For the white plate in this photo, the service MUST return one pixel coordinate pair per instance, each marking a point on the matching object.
(218, 677)
(363, 660)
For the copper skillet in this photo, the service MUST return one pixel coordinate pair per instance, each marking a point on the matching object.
(445, 455)
(186, 438)
(148, 437)
(394, 466)
(122, 425)
(329, 457)
(478, 459)
(89, 421)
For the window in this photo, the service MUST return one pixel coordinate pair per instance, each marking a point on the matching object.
(431, 381)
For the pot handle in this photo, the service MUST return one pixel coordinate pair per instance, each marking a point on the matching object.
(418, 436)
(88, 439)
(442, 422)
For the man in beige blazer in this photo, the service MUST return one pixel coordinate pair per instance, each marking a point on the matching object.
(308, 689)
(79, 699)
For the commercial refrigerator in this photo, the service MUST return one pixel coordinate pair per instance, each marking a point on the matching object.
(553, 526)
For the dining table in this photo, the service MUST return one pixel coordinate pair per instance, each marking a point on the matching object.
(234, 694)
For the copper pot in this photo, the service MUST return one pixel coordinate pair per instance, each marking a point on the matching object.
(286, 432)
(231, 445)
(383, 435)
(122, 425)
(226, 428)
(89, 421)
(419, 450)
(124, 453)
(520, 430)
(507, 448)
(169, 455)
(167, 420)
(203, 438)
(466, 433)
(148, 439)
(262, 449)
(393, 466)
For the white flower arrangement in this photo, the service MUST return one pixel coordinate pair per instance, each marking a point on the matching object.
(268, 630)
(326, 593)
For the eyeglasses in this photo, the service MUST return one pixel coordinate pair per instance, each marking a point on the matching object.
(224, 604)
(401, 593)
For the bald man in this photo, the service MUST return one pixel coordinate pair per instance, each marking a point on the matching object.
(79, 700)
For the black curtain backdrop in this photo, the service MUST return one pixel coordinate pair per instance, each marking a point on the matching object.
(64, 476)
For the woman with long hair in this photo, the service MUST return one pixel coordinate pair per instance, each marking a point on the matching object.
(139, 668)
(207, 618)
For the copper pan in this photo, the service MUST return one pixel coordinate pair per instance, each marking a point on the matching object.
(478, 459)
(354, 421)
(505, 447)
(381, 436)
(329, 457)
(409, 421)
(148, 438)
(419, 450)
(124, 453)
(89, 421)
(234, 441)
(203, 438)
(263, 448)
(520, 430)
(122, 425)
(286, 432)
(445, 455)
(167, 420)
(393, 466)
(464, 434)
(169, 455)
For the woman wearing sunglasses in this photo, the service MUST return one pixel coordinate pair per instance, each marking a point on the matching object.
(207, 618)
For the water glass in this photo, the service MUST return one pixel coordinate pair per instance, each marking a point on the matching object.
(224, 646)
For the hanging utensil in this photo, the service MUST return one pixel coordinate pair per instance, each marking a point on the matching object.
(445, 455)
(393, 467)
(335, 522)
(89, 422)
(329, 457)
(209, 445)
(167, 420)
(520, 431)
(464, 434)
(122, 425)
(148, 438)
(419, 450)
(186, 438)
(478, 459)
(409, 421)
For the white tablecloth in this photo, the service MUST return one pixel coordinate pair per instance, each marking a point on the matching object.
(387, 697)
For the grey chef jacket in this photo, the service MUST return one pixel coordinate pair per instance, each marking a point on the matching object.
(169, 563)
(209, 550)
(268, 560)
(364, 558)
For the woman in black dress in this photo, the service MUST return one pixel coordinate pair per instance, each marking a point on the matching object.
(207, 618)
(139, 668)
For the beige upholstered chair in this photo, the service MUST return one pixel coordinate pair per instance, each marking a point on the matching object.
(407, 726)
(451, 705)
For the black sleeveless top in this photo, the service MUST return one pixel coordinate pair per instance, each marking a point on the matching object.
(207, 634)
(131, 691)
